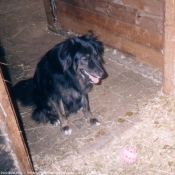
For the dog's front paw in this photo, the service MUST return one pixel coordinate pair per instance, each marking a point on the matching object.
(56, 123)
(66, 130)
(94, 121)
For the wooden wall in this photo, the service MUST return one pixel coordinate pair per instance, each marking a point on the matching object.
(132, 26)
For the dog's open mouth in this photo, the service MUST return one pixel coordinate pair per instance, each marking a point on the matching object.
(93, 79)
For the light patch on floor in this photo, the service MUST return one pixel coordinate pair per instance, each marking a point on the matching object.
(153, 138)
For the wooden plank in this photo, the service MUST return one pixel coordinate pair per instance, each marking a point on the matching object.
(150, 6)
(136, 17)
(76, 3)
(169, 48)
(137, 34)
(142, 53)
(14, 133)
(149, 21)
(154, 6)
(97, 6)
(122, 13)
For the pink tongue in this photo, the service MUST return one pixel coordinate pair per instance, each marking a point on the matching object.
(94, 79)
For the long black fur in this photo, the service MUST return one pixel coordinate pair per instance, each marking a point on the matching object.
(61, 82)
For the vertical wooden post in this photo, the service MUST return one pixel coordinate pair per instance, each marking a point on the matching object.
(169, 48)
(9, 118)
(50, 9)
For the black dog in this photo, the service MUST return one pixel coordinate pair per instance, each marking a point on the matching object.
(63, 78)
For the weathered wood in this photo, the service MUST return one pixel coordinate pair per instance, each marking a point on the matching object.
(122, 13)
(14, 134)
(169, 48)
(150, 6)
(131, 32)
(97, 6)
(48, 10)
(136, 17)
(76, 3)
(153, 6)
(143, 54)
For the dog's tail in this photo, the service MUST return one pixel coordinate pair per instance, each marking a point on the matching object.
(23, 92)
(42, 113)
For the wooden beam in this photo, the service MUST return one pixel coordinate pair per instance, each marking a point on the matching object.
(48, 11)
(120, 12)
(9, 118)
(135, 17)
(169, 48)
(53, 24)
(151, 6)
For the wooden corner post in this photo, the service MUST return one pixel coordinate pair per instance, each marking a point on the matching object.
(11, 127)
(169, 48)
(50, 9)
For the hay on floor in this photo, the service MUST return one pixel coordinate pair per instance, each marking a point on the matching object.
(153, 138)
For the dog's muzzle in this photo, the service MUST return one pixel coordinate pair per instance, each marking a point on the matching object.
(92, 78)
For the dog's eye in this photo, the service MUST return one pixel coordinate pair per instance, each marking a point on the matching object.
(95, 54)
(86, 57)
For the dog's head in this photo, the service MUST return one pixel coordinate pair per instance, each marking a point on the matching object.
(85, 57)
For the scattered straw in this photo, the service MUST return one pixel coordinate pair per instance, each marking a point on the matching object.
(153, 138)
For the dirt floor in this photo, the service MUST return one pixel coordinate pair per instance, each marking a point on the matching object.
(116, 102)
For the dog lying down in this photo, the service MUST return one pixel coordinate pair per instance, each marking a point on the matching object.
(63, 78)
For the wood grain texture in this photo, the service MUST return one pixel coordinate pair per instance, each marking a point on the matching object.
(97, 6)
(130, 32)
(136, 17)
(125, 12)
(7, 115)
(49, 16)
(144, 54)
(151, 6)
(169, 48)
(76, 3)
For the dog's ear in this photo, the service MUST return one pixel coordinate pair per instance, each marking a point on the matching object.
(99, 47)
(98, 44)
(91, 32)
(91, 37)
